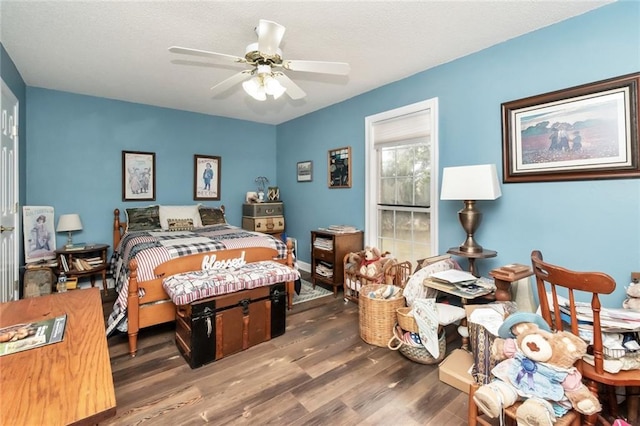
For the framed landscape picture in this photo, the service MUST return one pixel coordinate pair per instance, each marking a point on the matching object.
(304, 171)
(206, 179)
(585, 132)
(138, 176)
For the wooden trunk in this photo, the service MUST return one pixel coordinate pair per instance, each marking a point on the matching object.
(210, 329)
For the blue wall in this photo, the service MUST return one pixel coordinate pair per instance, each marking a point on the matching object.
(584, 225)
(75, 144)
(75, 156)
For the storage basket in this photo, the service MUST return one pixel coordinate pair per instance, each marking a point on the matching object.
(406, 320)
(378, 316)
(418, 354)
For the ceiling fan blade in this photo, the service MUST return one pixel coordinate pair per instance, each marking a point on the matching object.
(293, 90)
(206, 54)
(339, 68)
(269, 36)
(231, 81)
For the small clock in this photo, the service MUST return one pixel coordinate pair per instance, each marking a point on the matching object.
(38, 282)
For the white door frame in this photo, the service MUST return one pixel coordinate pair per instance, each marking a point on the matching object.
(9, 196)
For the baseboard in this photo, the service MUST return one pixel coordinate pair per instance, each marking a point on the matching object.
(306, 267)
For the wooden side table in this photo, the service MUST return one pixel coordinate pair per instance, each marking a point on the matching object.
(96, 254)
(484, 254)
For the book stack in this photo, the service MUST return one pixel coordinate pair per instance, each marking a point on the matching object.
(323, 243)
(94, 261)
(511, 272)
(341, 229)
(82, 265)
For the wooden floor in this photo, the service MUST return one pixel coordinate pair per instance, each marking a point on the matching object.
(320, 372)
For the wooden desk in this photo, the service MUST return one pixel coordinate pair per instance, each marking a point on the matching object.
(63, 383)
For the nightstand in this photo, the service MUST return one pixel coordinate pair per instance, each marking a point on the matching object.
(94, 261)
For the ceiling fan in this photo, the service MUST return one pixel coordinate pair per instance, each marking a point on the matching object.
(266, 76)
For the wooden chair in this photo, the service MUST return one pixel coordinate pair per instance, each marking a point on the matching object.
(551, 276)
(596, 283)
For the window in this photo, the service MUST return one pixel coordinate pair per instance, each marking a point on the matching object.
(401, 192)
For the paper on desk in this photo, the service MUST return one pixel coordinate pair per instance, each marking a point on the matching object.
(488, 317)
(453, 276)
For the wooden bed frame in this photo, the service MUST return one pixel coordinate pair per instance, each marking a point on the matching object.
(155, 307)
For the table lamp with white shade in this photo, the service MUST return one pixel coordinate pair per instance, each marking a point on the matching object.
(69, 223)
(469, 184)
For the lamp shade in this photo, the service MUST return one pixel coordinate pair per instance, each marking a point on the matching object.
(69, 222)
(470, 183)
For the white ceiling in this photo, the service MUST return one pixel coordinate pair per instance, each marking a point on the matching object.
(118, 49)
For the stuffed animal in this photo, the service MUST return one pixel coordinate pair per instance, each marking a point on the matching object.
(633, 299)
(537, 367)
(370, 265)
(354, 260)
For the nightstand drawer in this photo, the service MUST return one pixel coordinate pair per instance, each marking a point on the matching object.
(268, 225)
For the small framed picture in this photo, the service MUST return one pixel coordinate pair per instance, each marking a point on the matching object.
(206, 177)
(138, 176)
(304, 171)
(340, 167)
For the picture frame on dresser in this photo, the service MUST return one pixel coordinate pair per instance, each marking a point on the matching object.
(206, 177)
(584, 132)
(138, 176)
(339, 165)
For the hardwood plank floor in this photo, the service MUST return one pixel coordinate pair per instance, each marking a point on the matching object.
(320, 372)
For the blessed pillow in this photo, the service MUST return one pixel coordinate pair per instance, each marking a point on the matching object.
(179, 212)
(211, 216)
(180, 224)
(143, 219)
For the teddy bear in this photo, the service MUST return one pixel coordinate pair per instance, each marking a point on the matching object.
(537, 367)
(375, 265)
(633, 296)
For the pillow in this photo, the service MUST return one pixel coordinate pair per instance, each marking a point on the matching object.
(179, 212)
(143, 219)
(211, 216)
(180, 224)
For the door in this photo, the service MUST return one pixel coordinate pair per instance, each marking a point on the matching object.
(9, 217)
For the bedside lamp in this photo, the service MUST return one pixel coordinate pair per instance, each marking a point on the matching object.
(469, 184)
(69, 223)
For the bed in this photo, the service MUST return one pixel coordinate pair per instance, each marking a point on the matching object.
(151, 236)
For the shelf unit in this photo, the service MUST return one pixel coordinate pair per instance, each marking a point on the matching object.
(331, 255)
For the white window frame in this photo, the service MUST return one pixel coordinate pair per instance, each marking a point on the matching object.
(372, 170)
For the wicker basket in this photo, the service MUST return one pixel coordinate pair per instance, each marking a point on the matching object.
(406, 321)
(377, 316)
(418, 354)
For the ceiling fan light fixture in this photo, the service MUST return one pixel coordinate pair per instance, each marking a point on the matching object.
(254, 88)
(273, 87)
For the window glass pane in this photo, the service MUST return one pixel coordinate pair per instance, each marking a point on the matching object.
(404, 161)
(405, 191)
(388, 163)
(387, 191)
(386, 224)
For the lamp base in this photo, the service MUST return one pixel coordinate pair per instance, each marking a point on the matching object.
(69, 241)
(470, 219)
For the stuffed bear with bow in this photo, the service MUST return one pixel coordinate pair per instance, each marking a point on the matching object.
(537, 367)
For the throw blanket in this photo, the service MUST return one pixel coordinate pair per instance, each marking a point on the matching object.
(151, 248)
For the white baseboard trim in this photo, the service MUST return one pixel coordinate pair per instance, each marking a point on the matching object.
(304, 266)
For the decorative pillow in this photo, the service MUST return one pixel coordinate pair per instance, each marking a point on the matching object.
(143, 219)
(211, 216)
(180, 224)
(179, 212)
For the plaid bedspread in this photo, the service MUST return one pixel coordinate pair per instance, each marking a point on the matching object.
(151, 248)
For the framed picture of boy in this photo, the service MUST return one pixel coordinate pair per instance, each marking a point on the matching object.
(206, 177)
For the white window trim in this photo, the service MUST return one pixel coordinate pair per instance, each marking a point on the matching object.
(371, 170)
